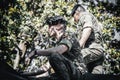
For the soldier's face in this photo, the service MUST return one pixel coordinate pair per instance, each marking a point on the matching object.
(56, 31)
(76, 16)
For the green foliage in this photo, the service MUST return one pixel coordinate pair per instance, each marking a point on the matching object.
(23, 20)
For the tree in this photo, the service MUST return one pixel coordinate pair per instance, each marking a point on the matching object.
(22, 24)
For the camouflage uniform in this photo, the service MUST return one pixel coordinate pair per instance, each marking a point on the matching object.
(70, 65)
(93, 49)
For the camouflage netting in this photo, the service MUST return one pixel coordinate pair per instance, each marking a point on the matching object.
(23, 29)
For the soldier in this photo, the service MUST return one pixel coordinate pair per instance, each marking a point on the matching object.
(65, 57)
(90, 39)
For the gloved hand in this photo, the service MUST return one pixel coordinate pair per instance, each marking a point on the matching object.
(27, 60)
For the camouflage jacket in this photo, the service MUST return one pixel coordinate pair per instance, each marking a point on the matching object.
(73, 54)
(88, 20)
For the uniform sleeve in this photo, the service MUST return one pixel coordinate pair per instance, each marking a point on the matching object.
(87, 21)
(67, 43)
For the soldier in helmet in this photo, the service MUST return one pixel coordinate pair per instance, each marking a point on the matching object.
(90, 38)
(65, 57)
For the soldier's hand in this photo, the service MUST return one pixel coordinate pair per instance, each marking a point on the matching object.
(27, 61)
(59, 31)
(28, 58)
